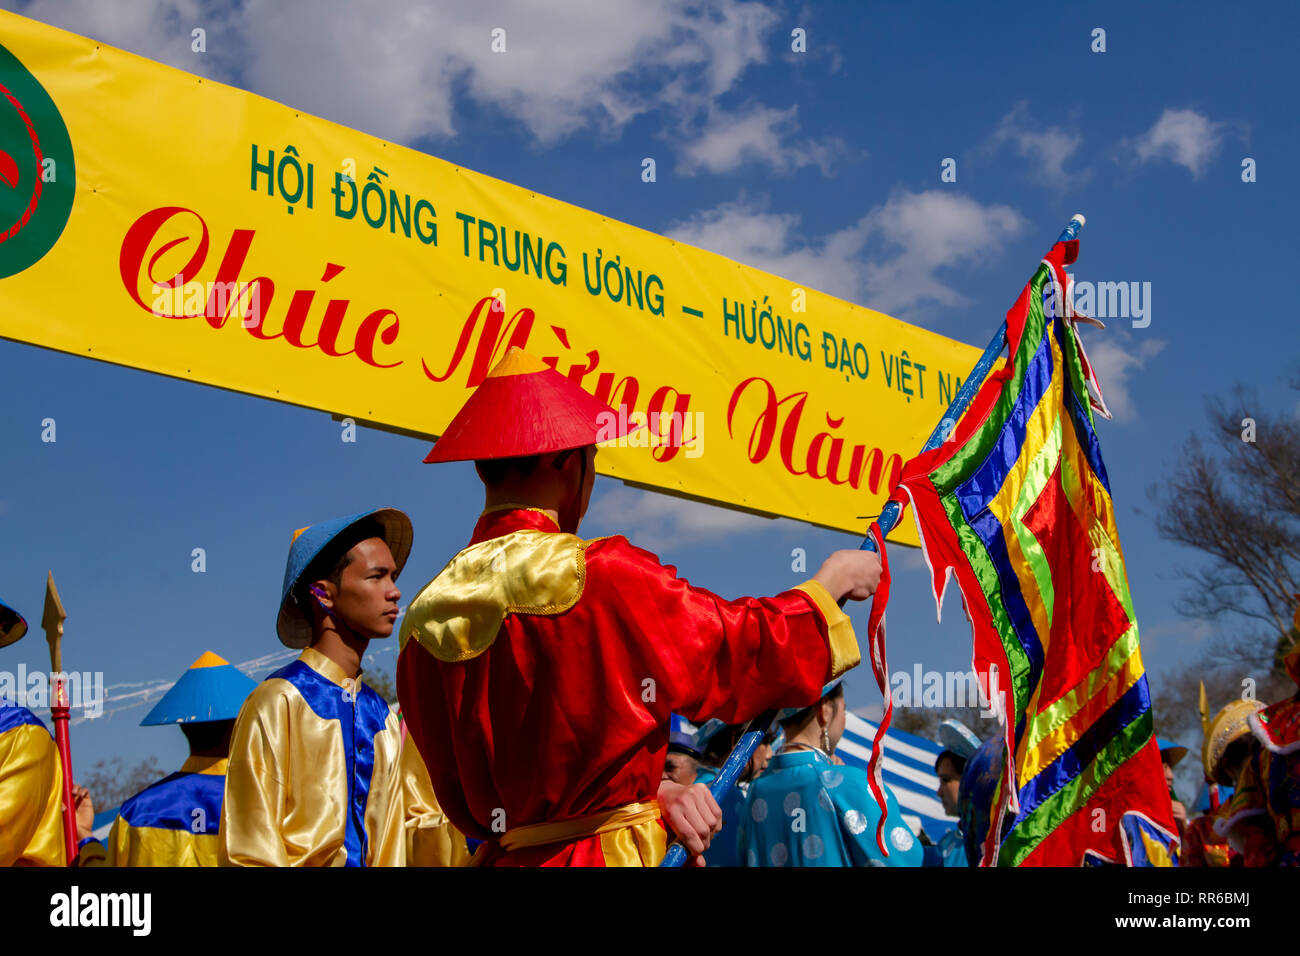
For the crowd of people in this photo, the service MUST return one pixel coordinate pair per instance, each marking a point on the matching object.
(539, 677)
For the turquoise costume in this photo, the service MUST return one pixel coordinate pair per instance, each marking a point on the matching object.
(806, 811)
(952, 848)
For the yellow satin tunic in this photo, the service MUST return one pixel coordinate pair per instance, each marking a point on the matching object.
(315, 775)
(173, 822)
(31, 791)
(431, 840)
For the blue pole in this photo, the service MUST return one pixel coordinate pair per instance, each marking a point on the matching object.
(890, 515)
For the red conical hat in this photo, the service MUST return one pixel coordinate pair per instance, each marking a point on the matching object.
(524, 407)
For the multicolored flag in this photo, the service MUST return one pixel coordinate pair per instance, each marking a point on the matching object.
(1016, 504)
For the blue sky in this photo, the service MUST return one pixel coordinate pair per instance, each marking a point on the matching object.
(822, 166)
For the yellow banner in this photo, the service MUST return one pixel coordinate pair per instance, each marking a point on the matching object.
(158, 220)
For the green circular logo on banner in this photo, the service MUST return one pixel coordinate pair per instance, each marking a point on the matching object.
(37, 171)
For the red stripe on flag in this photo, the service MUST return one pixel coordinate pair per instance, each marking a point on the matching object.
(1087, 618)
(1097, 825)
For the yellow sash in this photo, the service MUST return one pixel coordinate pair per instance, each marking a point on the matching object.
(538, 834)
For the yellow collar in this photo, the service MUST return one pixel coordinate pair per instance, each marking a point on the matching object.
(327, 668)
(212, 765)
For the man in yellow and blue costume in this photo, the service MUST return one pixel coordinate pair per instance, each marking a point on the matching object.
(317, 775)
(175, 821)
(31, 777)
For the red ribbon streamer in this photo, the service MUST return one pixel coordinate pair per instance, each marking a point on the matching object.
(876, 649)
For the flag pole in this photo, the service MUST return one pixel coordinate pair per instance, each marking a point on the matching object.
(890, 515)
(52, 623)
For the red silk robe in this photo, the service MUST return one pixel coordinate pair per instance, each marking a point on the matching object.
(538, 673)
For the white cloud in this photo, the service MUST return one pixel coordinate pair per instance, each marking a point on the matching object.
(1114, 358)
(393, 69)
(397, 69)
(157, 29)
(743, 230)
(388, 70)
(725, 141)
(930, 231)
(1185, 137)
(889, 259)
(1048, 147)
(657, 521)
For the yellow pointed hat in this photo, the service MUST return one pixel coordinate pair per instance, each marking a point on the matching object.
(1229, 724)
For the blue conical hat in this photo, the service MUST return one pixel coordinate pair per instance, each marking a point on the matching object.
(212, 689)
(292, 623)
(679, 738)
(12, 625)
(957, 739)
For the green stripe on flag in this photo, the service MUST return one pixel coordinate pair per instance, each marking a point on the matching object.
(985, 572)
(1040, 472)
(1072, 797)
(1063, 708)
(951, 473)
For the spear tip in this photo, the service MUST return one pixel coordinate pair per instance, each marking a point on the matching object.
(53, 617)
(52, 621)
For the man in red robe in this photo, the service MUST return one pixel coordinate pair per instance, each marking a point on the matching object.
(539, 671)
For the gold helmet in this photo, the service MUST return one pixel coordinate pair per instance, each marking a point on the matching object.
(1228, 725)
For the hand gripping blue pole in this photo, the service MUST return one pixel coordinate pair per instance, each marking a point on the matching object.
(757, 728)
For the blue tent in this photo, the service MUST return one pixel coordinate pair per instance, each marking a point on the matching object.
(907, 768)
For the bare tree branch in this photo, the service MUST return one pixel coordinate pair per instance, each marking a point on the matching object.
(1235, 498)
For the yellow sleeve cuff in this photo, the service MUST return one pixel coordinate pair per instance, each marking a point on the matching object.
(92, 853)
(841, 640)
